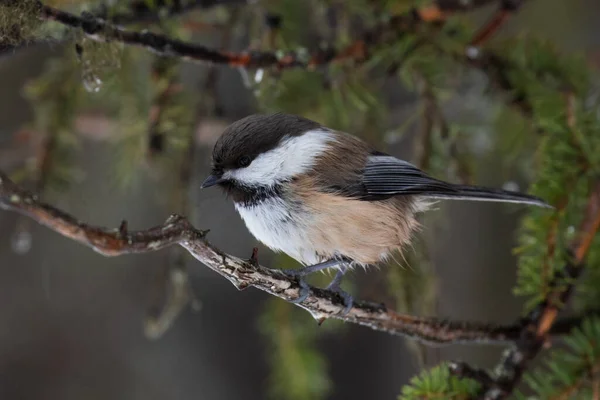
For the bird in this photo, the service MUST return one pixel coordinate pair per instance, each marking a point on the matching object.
(326, 198)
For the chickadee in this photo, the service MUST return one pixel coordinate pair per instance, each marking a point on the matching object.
(324, 197)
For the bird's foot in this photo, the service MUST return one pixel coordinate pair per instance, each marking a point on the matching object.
(335, 287)
(304, 290)
(299, 274)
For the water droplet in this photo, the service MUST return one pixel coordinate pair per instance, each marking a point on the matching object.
(511, 185)
(391, 137)
(472, 52)
(245, 78)
(258, 75)
(91, 82)
(21, 242)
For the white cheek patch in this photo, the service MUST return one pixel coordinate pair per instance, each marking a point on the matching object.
(294, 156)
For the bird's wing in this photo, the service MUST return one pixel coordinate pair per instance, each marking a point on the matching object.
(386, 176)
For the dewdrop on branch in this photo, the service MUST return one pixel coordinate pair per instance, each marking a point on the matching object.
(97, 59)
(91, 82)
(21, 241)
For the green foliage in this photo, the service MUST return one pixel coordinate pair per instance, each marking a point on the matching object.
(19, 21)
(568, 373)
(438, 383)
(412, 285)
(540, 74)
(97, 61)
(587, 293)
(343, 100)
(55, 97)
(298, 368)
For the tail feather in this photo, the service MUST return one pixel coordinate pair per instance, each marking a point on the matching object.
(476, 193)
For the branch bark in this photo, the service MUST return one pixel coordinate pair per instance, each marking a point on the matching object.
(177, 230)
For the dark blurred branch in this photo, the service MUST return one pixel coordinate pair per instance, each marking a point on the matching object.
(178, 295)
(466, 371)
(498, 72)
(428, 122)
(163, 74)
(322, 304)
(433, 117)
(141, 11)
(505, 11)
(100, 29)
(495, 67)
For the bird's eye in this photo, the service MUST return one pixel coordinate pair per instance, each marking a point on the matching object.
(244, 161)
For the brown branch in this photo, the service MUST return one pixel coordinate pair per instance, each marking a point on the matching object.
(505, 11)
(242, 274)
(441, 9)
(596, 382)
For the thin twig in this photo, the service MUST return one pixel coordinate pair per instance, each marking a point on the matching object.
(505, 11)
(162, 74)
(428, 120)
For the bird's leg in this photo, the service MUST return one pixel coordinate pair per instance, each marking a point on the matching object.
(334, 286)
(302, 272)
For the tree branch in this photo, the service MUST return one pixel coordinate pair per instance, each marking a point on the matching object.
(505, 11)
(322, 304)
(141, 11)
(100, 29)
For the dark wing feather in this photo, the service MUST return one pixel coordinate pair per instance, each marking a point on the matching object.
(388, 176)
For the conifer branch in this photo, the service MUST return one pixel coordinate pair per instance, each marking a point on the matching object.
(322, 304)
(538, 324)
(99, 29)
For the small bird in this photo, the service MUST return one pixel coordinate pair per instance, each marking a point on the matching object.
(325, 197)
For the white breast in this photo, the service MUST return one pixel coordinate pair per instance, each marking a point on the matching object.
(281, 227)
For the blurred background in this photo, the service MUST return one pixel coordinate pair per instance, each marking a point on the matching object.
(110, 133)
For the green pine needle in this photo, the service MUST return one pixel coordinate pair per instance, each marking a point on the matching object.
(438, 383)
(568, 373)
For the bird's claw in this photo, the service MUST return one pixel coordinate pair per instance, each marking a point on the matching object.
(346, 297)
(304, 291)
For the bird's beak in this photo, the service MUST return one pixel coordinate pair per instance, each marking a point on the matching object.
(212, 180)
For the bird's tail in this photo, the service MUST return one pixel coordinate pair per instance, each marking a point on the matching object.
(476, 193)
